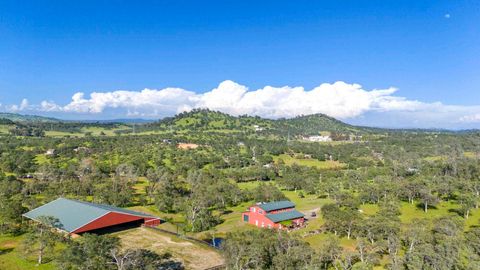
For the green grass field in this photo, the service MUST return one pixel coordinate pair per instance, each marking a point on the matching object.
(444, 208)
(4, 129)
(328, 164)
(54, 133)
(97, 131)
(94, 131)
(140, 185)
(11, 257)
(41, 159)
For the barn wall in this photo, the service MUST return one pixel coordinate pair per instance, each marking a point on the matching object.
(258, 219)
(152, 222)
(109, 219)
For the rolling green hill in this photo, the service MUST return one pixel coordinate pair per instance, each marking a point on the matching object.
(314, 124)
(211, 120)
(207, 120)
(27, 118)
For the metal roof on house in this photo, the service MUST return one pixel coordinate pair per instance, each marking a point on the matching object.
(74, 214)
(271, 206)
(287, 215)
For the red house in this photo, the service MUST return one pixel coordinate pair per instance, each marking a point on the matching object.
(278, 215)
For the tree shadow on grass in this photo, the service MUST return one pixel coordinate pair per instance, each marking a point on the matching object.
(5, 250)
(422, 207)
(456, 211)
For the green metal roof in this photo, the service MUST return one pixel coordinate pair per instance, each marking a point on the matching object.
(271, 206)
(74, 214)
(287, 215)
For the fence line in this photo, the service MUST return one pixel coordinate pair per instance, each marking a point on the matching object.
(182, 236)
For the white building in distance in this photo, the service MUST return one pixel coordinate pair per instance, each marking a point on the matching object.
(318, 138)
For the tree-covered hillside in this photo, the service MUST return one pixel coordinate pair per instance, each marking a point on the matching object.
(207, 120)
(27, 118)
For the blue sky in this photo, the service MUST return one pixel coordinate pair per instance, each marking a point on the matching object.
(429, 51)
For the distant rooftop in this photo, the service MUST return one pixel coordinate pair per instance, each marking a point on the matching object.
(74, 214)
(271, 206)
(287, 215)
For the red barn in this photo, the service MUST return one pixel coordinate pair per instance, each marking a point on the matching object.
(278, 215)
(78, 217)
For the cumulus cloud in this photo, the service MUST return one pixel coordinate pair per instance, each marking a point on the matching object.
(340, 100)
(21, 107)
(49, 106)
(147, 100)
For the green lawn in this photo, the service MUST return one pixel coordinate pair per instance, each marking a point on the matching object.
(97, 131)
(152, 132)
(41, 159)
(308, 203)
(317, 240)
(187, 121)
(369, 209)
(328, 164)
(54, 133)
(467, 154)
(11, 258)
(140, 185)
(4, 129)
(250, 184)
(444, 208)
(470, 154)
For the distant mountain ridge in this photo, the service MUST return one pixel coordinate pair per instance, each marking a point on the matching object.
(28, 118)
(209, 120)
(21, 118)
(119, 120)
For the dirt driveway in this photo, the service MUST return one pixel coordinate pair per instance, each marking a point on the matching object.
(193, 255)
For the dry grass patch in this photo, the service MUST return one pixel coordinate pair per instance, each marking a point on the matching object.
(193, 255)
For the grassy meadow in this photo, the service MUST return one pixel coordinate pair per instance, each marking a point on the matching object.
(310, 162)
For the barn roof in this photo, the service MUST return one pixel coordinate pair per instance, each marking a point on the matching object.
(74, 214)
(271, 206)
(287, 215)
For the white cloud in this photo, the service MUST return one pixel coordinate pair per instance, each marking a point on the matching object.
(473, 118)
(340, 100)
(49, 106)
(24, 104)
(447, 16)
(21, 107)
(145, 100)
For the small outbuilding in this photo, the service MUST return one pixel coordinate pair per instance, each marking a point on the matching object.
(77, 217)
